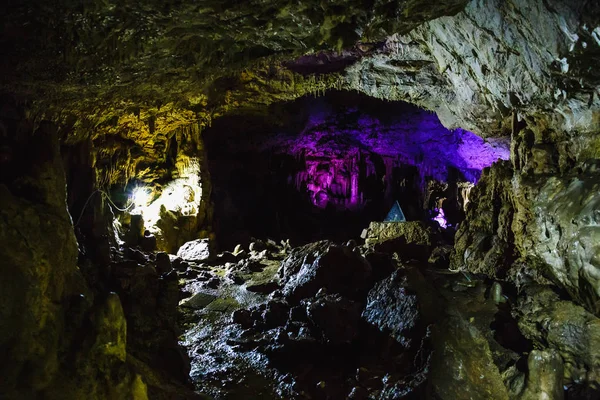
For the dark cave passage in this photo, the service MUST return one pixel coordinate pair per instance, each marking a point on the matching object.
(323, 168)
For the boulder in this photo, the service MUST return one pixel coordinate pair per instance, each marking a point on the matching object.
(299, 256)
(337, 269)
(413, 239)
(392, 308)
(198, 301)
(257, 246)
(242, 317)
(335, 317)
(462, 363)
(382, 263)
(163, 263)
(275, 313)
(196, 250)
(262, 287)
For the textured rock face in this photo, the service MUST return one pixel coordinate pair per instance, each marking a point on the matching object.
(565, 233)
(39, 255)
(183, 36)
(463, 366)
(392, 308)
(338, 269)
(530, 226)
(494, 57)
(336, 317)
(46, 350)
(545, 377)
(412, 232)
(567, 329)
(484, 241)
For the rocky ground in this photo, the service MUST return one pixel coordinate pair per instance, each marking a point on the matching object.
(333, 321)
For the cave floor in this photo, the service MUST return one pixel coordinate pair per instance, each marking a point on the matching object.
(218, 370)
(241, 333)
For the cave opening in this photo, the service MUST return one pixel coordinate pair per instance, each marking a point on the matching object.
(324, 167)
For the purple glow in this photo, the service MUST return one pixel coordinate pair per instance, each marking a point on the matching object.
(440, 218)
(338, 152)
(418, 140)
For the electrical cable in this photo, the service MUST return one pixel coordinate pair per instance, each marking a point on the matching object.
(126, 209)
(107, 197)
(85, 206)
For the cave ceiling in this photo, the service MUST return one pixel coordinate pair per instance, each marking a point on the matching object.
(96, 66)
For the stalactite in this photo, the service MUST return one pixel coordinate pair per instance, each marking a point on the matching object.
(465, 191)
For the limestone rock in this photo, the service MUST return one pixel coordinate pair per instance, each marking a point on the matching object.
(39, 264)
(393, 309)
(471, 60)
(337, 269)
(483, 243)
(306, 254)
(111, 329)
(335, 317)
(198, 301)
(564, 327)
(413, 239)
(412, 232)
(545, 376)
(535, 228)
(565, 234)
(163, 263)
(462, 363)
(196, 250)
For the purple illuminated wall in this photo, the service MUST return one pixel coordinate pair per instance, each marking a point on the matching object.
(340, 151)
(323, 168)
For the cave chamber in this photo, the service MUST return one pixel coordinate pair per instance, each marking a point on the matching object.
(324, 167)
(194, 195)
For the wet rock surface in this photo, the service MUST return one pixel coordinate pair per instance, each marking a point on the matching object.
(415, 331)
(290, 343)
(392, 308)
(338, 269)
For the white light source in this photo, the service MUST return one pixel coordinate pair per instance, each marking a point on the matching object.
(140, 197)
(181, 196)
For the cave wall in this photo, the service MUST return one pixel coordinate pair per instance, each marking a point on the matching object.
(534, 219)
(147, 150)
(58, 341)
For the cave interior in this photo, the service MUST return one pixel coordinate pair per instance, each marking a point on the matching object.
(300, 200)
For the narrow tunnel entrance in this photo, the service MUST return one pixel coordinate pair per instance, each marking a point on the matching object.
(324, 168)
